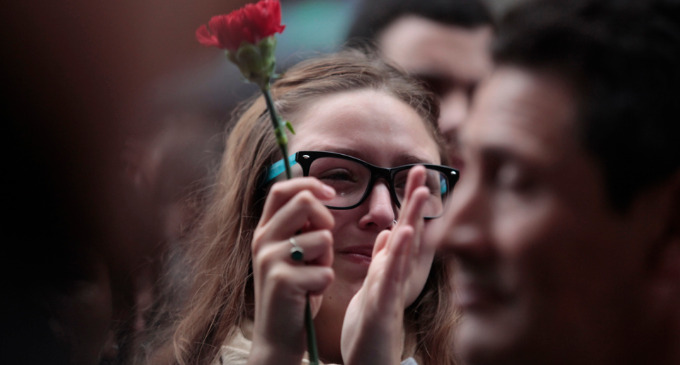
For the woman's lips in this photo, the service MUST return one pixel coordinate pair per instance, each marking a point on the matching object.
(357, 254)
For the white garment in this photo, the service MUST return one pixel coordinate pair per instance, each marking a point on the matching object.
(237, 350)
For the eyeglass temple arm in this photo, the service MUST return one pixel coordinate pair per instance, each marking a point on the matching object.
(278, 167)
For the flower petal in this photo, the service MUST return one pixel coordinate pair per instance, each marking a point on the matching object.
(250, 24)
(274, 10)
(205, 38)
(264, 18)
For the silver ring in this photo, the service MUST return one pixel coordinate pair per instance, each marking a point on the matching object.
(394, 222)
(296, 252)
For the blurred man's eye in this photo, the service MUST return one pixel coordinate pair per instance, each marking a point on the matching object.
(435, 84)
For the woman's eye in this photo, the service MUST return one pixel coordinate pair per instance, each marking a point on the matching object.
(337, 175)
(435, 84)
(400, 183)
(436, 184)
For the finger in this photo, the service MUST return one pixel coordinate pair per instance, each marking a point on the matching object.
(281, 192)
(316, 246)
(313, 279)
(414, 200)
(412, 215)
(395, 254)
(386, 278)
(303, 212)
(388, 260)
(416, 178)
(412, 209)
(399, 251)
(380, 241)
(297, 281)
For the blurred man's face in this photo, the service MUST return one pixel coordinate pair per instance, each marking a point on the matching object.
(545, 269)
(452, 60)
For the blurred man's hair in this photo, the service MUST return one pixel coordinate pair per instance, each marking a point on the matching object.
(622, 57)
(373, 16)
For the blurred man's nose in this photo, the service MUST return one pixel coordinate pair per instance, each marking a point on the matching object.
(462, 230)
(454, 108)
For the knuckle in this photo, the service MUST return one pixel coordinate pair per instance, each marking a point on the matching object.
(326, 238)
(265, 258)
(327, 275)
(258, 239)
(305, 198)
(277, 275)
(277, 190)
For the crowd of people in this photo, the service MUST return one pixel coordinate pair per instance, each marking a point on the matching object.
(467, 189)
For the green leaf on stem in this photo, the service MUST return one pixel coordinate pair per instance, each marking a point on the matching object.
(290, 127)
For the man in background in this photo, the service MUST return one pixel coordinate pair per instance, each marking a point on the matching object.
(442, 42)
(565, 225)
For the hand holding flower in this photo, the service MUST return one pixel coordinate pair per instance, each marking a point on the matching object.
(281, 284)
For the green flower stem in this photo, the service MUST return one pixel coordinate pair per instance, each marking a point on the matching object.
(311, 336)
(282, 140)
(280, 133)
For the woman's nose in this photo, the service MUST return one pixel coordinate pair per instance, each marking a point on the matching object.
(380, 210)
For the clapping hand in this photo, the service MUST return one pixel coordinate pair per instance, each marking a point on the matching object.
(373, 329)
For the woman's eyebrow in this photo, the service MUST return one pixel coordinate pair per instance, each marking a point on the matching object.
(408, 159)
(401, 158)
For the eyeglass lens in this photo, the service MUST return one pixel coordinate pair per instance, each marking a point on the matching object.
(351, 180)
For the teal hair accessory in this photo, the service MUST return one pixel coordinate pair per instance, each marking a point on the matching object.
(278, 167)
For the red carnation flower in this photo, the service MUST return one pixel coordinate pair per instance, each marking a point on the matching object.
(250, 24)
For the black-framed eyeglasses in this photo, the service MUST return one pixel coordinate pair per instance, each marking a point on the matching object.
(353, 179)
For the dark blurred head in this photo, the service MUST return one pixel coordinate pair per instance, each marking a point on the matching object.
(374, 16)
(622, 58)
